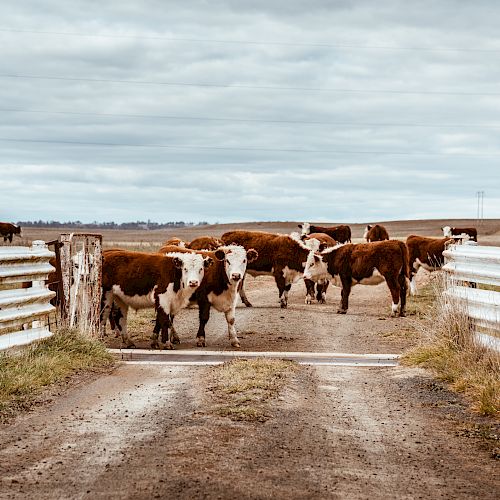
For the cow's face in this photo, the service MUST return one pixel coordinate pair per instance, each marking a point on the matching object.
(193, 268)
(316, 268)
(17, 230)
(306, 228)
(235, 259)
(446, 231)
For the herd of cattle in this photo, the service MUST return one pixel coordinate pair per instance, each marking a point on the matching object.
(210, 272)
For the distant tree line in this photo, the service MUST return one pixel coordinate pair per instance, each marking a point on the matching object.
(145, 225)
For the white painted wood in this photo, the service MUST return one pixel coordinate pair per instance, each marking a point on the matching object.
(24, 311)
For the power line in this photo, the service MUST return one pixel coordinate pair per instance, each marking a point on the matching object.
(253, 42)
(253, 120)
(253, 87)
(232, 148)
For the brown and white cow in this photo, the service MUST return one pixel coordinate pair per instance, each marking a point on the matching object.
(366, 264)
(219, 286)
(375, 233)
(317, 242)
(427, 253)
(205, 243)
(449, 232)
(142, 280)
(281, 256)
(177, 242)
(341, 234)
(7, 230)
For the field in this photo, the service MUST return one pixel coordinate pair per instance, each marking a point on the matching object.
(488, 231)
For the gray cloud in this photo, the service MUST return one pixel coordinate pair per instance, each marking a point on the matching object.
(350, 172)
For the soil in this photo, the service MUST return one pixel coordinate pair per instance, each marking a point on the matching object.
(145, 430)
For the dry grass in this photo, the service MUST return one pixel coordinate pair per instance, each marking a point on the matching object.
(24, 373)
(242, 387)
(450, 349)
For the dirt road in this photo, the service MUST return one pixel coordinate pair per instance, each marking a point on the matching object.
(145, 431)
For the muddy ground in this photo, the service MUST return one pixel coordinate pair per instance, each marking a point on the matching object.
(147, 431)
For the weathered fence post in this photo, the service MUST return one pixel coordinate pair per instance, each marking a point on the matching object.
(81, 263)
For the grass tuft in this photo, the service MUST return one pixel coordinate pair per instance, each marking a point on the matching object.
(449, 347)
(24, 373)
(242, 387)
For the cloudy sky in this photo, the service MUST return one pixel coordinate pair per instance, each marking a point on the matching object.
(235, 111)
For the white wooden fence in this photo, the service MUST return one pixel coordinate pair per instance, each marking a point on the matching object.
(24, 312)
(470, 263)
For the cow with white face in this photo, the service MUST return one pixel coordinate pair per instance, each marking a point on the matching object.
(365, 264)
(141, 280)
(220, 286)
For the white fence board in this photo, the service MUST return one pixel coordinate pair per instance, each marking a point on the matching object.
(466, 264)
(24, 311)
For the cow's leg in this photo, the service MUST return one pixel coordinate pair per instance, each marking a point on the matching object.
(414, 266)
(204, 314)
(233, 338)
(156, 332)
(346, 291)
(173, 333)
(243, 295)
(323, 291)
(106, 305)
(164, 324)
(114, 318)
(402, 293)
(10, 238)
(395, 290)
(309, 291)
(281, 284)
(121, 324)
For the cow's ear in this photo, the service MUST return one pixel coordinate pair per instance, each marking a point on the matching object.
(220, 254)
(207, 262)
(178, 263)
(368, 227)
(322, 246)
(299, 225)
(252, 255)
(442, 228)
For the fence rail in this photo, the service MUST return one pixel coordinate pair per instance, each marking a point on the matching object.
(24, 311)
(469, 263)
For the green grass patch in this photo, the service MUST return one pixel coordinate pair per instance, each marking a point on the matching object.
(25, 372)
(242, 388)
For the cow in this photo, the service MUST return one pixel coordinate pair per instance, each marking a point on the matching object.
(366, 264)
(142, 280)
(219, 286)
(205, 243)
(318, 242)
(281, 256)
(8, 230)
(375, 233)
(177, 242)
(341, 234)
(427, 253)
(449, 232)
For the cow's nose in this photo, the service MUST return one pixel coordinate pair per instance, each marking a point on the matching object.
(236, 276)
(193, 284)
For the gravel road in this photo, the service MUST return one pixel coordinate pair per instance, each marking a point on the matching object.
(144, 431)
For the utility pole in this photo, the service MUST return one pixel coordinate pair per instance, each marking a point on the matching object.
(480, 207)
